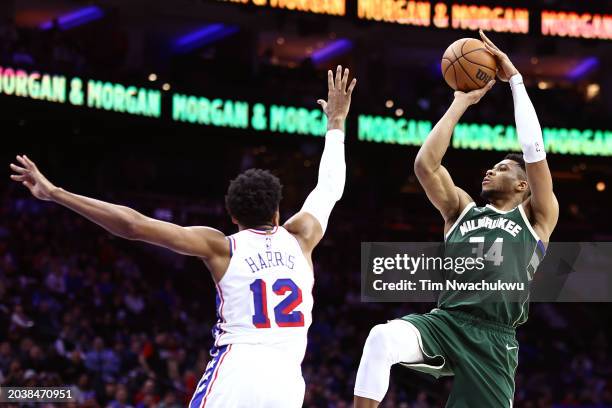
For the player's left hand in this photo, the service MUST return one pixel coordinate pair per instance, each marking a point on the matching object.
(506, 68)
(338, 98)
(29, 175)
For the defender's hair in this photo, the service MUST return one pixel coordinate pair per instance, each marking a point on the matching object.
(252, 198)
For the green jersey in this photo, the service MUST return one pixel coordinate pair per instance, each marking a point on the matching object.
(510, 252)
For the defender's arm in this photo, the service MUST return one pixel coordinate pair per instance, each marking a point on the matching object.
(310, 223)
(122, 221)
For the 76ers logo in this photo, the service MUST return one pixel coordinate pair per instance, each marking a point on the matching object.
(483, 76)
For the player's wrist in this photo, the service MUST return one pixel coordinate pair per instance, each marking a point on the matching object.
(461, 102)
(335, 123)
(54, 193)
(516, 79)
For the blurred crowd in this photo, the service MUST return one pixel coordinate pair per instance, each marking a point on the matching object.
(128, 325)
(49, 49)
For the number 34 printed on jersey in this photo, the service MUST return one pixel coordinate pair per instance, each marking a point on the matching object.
(284, 313)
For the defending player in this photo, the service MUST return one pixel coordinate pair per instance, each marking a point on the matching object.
(471, 337)
(263, 273)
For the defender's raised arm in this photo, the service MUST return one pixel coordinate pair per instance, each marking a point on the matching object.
(310, 223)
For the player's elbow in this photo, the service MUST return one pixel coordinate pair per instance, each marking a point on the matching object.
(132, 228)
(332, 186)
(422, 168)
(129, 231)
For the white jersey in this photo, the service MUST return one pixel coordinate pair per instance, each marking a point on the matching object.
(265, 296)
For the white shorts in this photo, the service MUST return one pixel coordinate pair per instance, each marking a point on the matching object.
(249, 376)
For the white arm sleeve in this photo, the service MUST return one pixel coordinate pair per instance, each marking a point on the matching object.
(527, 125)
(332, 175)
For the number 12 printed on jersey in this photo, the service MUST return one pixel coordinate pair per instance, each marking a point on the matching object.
(284, 313)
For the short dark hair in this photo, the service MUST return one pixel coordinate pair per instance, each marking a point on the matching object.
(252, 198)
(517, 158)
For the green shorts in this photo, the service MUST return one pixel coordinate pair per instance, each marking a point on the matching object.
(481, 354)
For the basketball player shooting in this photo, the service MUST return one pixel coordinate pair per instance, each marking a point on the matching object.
(263, 273)
(468, 337)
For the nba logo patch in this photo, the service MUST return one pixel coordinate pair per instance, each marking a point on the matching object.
(268, 243)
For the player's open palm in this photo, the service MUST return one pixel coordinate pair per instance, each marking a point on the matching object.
(506, 67)
(29, 175)
(338, 95)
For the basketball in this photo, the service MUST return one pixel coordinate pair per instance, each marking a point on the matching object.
(467, 65)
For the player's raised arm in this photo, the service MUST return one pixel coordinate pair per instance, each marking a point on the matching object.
(435, 178)
(310, 223)
(542, 205)
(122, 221)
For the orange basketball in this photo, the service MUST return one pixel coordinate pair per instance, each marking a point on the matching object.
(467, 65)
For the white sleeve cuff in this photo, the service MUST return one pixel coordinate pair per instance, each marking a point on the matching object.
(516, 79)
(335, 134)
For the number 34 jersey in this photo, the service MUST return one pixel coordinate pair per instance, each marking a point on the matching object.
(265, 296)
(510, 251)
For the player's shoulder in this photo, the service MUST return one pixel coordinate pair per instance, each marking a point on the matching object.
(545, 226)
(212, 237)
(206, 232)
(306, 229)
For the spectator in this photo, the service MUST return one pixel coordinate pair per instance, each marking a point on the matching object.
(101, 360)
(19, 320)
(121, 398)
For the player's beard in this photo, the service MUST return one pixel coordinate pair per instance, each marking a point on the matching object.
(489, 195)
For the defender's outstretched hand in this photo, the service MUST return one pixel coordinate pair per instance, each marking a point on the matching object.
(338, 102)
(29, 175)
(506, 68)
(473, 97)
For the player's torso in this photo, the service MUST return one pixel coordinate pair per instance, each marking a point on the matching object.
(511, 251)
(265, 296)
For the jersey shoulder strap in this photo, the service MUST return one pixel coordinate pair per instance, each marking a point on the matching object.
(461, 216)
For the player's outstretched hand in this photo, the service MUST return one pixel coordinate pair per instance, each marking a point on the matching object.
(29, 175)
(506, 68)
(338, 102)
(473, 97)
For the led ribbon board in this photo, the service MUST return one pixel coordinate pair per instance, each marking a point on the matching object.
(578, 25)
(241, 115)
(260, 117)
(331, 7)
(484, 136)
(454, 15)
(92, 94)
(440, 15)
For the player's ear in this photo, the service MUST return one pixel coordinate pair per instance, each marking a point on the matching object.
(234, 221)
(522, 186)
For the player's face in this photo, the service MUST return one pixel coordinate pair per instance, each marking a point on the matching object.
(501, 179)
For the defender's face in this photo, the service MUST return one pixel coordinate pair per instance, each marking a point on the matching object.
(501, 178)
